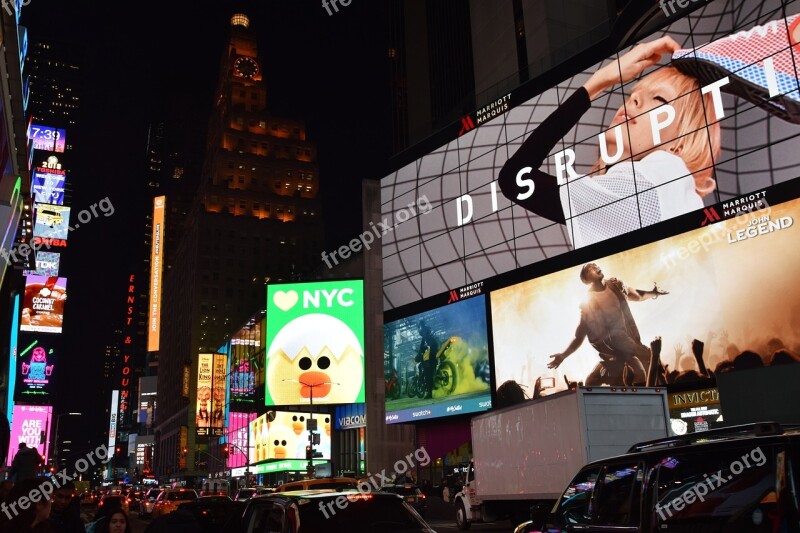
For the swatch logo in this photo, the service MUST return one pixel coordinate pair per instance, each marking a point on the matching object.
(711, 216)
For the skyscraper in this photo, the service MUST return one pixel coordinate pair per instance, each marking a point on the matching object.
(256, 217)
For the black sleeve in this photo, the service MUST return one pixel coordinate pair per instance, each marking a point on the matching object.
(545, 200)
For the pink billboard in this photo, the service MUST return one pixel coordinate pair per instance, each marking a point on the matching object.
(30, 424)
(238, 424)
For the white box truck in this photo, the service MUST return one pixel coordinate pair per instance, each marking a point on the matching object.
(524, 455)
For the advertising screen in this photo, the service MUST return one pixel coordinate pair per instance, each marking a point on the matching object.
(245, 344)
(286, 436)
(211, 374)
(238, 438)
(43, 304)
(315, 339)
(48, 138)
(31, 425)
(112, 420)
(436, 363)
(718, 298)
(156, 270)
(13, 344)
(47, 264)
(47, 185)
(37, 368)
(705, 110)
(148, 387)
(52, 221)
(692, 411)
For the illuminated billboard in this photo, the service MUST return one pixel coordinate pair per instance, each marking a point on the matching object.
(52, 221)
(47, 138)
(148, 388)
(210, 412)
(47, 185)
(31, 425)
(43, 304)
(437, 363)
(112, 423)
(13, 344)
(711, 115)
(156, 270)
(37, 368)
(724, 299)
(315, 339)
(47, 264)
(286, 436)
(238, 438)
(244, 347)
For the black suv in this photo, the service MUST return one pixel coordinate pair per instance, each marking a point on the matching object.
(732, 480)
(314, 511)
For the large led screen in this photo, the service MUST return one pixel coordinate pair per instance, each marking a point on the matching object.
(43, 304)
(436, 363)
(47, 138)
(283, 435)
(703, 111)
(31, 424)
(211, 375)
(52, 221)
(719, 298)
(315, 339)
(238, 438)
(37, 368)
(48, 185)
(245, 344)
(47, 264)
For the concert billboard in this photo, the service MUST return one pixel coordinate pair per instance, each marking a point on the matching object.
(719, 298)
(326, 366)
(702, 111)
(437, 362)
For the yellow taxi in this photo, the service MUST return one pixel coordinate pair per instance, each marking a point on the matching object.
(169, 500)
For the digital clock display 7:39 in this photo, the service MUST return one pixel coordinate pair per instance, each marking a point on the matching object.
(48, 138)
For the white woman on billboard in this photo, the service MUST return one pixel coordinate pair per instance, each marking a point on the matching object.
(656, 157)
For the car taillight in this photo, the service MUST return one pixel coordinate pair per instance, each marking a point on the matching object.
(421, 496)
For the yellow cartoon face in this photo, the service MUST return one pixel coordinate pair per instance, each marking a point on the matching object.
(298, 424)
(315, 358)
(280, 439)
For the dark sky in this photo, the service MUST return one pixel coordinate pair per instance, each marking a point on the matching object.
(330, 71)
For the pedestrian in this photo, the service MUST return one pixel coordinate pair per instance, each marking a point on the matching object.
(33, 518)
(65, 515)
(26, 463)
(117, 522)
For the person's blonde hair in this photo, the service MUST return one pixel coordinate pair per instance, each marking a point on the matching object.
(698, 139)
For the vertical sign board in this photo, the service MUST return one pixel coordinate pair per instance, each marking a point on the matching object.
(128, 332)
(156, 269)
(31, 426)
(112, 426)
(211, 386)
(12, 362)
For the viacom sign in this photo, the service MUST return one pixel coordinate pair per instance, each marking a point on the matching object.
(350, 416)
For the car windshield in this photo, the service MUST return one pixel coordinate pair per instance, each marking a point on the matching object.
(363, 514)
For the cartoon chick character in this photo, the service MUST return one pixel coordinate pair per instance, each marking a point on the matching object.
(317, 355)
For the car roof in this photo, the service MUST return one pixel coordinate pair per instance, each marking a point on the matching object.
(708, 440)
(316, 494)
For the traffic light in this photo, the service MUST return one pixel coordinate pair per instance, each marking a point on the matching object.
(309, 452)
(225, 451)
(185, 451)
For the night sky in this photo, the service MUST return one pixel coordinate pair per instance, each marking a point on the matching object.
(330, 71)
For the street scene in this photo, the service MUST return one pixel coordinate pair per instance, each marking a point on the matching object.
(315, 266)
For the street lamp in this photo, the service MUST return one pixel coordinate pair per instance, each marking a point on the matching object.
(55, 440)
(310, 466)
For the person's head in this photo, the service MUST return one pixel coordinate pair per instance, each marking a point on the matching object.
(747, 360)
(116, 522)
(63, 495)
(591, 273)
(783, 357)
(22, 445)
(37, 492)
(687, 136)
